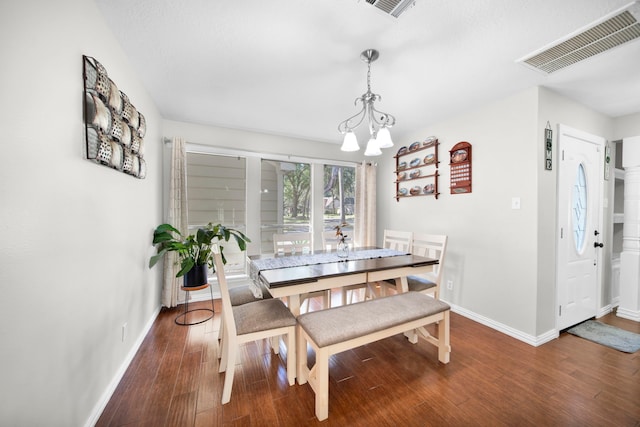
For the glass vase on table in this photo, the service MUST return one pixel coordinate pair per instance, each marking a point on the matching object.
(342, 249)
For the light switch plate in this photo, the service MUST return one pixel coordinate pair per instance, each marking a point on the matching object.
(515, 203)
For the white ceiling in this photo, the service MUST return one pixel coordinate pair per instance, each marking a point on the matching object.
(292, 67)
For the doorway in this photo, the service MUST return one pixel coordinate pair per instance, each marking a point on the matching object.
(580, 224)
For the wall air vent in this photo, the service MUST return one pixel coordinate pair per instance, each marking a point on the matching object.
(604, 34)
(394, 8)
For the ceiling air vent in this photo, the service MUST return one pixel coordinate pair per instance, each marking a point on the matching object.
(394, 8)
(607, 33)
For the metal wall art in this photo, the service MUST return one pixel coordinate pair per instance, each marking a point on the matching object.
(114, 127)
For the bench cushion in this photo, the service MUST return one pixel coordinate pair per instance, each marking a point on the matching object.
(339, 324)
(262, 315)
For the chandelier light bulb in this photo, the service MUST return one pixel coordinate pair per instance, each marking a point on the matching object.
(384, 138)
(350, 142)
(372, 148)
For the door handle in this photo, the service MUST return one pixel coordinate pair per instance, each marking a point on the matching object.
(598, 245)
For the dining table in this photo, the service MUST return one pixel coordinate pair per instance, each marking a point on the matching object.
(292, 275)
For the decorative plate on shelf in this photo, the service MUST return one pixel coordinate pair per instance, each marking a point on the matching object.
(414, 174)
(415, 162)
(459, 156)
(402, 151)
(402, 165)
(429, 159)
(428, 189)
(415, 190)
(402, 192)
(414, 146)
(402, 176)
(428, 142)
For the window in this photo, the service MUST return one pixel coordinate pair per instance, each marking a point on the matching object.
(216, 192)
(285, 199)
(284, 194)
(579, 208)
(339, 198)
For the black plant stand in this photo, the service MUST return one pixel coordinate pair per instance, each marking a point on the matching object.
(181, 319)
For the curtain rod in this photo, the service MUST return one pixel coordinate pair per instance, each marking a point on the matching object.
(212, 149)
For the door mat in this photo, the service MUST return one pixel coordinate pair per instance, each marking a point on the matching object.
(607, 335)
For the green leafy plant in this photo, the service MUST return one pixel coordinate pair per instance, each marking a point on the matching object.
(194, 249)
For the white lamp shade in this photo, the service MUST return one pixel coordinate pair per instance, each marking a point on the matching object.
(384, 138)
(350, 142)
(372, 148)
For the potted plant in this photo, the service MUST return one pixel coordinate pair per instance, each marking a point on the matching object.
(194, 251)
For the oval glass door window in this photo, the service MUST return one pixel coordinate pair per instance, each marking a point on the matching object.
(579, 208)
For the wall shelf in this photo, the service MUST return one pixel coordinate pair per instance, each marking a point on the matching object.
(412, 167)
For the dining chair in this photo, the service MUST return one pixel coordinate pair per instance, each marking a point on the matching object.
(397, 240)
(330, 243)
(291, 243)
(240, 295)
(251, 322)
(329, 240)
(430, 246)
(299, 243)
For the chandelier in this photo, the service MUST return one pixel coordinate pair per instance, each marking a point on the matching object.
(379, 122)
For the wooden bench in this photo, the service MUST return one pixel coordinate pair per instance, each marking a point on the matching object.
(342, 328)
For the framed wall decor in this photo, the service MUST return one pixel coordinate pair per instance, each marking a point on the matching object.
(460, 157)
(114, 128)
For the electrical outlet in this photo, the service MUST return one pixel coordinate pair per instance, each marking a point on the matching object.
(450, 284)
(124, 332)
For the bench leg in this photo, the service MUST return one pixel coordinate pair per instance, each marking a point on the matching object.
(444, 347)
(322, 384)
(412, 336)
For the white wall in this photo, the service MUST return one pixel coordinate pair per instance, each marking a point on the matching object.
(76, 236)
(491, 255)
(626, 126)
(501, 261)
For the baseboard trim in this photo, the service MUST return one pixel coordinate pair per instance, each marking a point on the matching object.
(111, 388)
(604, 311)
(514, 333)
(628, 314)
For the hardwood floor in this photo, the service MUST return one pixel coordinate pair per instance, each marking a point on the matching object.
(492, 380)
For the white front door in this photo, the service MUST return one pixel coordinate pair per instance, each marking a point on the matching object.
(580, 182)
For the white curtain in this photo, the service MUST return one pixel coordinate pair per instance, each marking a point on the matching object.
(177, 217)
(366, 204)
